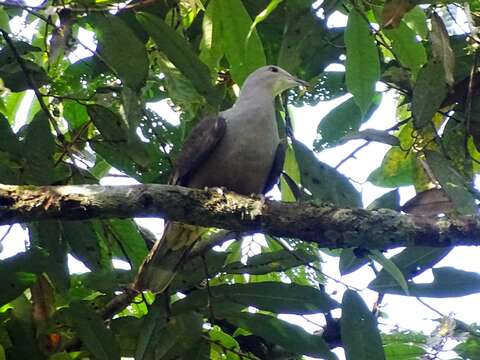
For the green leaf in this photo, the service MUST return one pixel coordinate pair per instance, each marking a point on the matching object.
(21, 332)
(389, 200)
(192, 272)
(121, 49)
(180, 334)
(362, 64)
(127, 234)
(360, 336)
(126, 330)
(75, 114)
(342, 121)
(271, 295)
(179, 52)
(448, 282)
(403, 352)
(112, 127)
(428, 94)
(4, 24)
(406, 48)
(211, 46)
(397, 168)
(271, 262)
(417, 21)
(18, 273)
(245, 54)
(91, 329)
(452, 182)
(8, 140)
(14, 77)
(469, 349)
(272, 5)
(391, 268)
(46, 234)
(152, 325)
(291, 337)
(412, 261)
(39, 149)
(324, 182)
(86, 244)
(349, 261)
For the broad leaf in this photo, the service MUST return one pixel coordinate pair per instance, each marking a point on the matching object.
(273, 296)
(452, 182)
(406, 48)
(95, 336)
(362, 64)
(324, 182)
(360, 336)
(428, 93)
(411, 262)
(121, 49)
(291, 337)
(86, 243)
(390, 267)
(244, 53)
(270, 262)
(179, 52)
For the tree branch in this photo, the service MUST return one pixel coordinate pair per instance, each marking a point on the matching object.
(326, 225)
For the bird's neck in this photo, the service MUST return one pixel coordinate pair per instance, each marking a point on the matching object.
(255, 97)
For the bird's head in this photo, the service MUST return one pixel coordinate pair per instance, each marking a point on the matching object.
(273, 78)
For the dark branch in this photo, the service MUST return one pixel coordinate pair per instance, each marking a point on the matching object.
(328, 226)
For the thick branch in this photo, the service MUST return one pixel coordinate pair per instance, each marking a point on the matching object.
(323, 224)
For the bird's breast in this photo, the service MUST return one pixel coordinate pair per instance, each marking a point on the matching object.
(243, 159)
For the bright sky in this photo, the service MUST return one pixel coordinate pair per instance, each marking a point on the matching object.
(404, 312)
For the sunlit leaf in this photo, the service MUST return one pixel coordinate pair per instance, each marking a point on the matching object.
(244, 53)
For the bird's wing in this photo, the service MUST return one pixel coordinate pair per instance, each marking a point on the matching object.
(203, 139)
(163, 260)
(277, 167)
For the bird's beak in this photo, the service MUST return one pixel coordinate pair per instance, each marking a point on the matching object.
(301, 82)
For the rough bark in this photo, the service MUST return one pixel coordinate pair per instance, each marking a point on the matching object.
(326, 225)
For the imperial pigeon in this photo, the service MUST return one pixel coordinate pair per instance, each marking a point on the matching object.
(239, 149)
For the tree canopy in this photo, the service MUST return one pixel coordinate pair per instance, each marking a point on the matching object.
(90, 117)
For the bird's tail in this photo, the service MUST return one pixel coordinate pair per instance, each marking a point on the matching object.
(168, 253)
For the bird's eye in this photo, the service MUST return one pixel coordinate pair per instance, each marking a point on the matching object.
(273, 69)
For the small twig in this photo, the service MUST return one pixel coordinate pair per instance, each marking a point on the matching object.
(6, 233)
(430, 307)
(352, 154)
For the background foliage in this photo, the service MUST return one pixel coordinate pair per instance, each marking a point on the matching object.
(89, 116)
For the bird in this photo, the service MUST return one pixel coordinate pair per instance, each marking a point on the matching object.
(239, 149)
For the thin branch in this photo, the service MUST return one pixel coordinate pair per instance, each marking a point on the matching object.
(352, 154)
